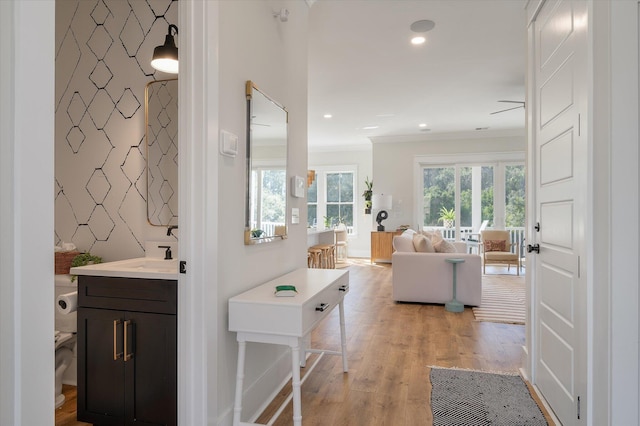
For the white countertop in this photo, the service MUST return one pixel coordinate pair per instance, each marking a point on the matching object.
(141, 267)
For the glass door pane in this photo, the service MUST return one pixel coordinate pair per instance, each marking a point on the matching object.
(438, 192)
(487, 195)
(514, 196)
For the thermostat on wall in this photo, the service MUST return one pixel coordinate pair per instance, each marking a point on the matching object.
(228, 144)
(297, 186)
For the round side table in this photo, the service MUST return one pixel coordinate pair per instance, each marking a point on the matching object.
(453, 305)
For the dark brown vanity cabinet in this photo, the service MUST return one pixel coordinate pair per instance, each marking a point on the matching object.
(127, 351)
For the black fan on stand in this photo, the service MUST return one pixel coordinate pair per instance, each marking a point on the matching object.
(520, 105)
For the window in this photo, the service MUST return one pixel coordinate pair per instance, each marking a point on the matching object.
(480, 187)
(270, 199)
(514, 196)
(340, 198)
(331, 199)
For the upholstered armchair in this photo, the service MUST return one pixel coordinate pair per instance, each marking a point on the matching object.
(496, 248)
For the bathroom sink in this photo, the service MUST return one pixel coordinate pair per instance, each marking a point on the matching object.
(141, 267)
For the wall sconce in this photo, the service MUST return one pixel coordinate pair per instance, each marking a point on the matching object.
(165, 57)
(381, 202)
(311, 176)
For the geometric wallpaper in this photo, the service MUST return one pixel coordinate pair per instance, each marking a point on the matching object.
(103, 54)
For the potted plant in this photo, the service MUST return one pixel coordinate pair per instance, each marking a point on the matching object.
(367, 194)
(84, 259)
(447, 217)
(328, 221)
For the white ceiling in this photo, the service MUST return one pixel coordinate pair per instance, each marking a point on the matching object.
(365, 72)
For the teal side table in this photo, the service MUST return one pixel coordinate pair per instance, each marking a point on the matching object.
(453, 305)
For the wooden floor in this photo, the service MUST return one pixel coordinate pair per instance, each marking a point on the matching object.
(390, 345)
(66, 414)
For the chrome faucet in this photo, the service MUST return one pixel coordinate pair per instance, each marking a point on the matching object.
(171, 228)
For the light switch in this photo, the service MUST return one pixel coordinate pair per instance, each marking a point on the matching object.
(228, 144)
(297, 186)
(295, 215)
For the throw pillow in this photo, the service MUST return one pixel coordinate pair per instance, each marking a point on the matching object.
(408, 233)
(435, 236)
(403, 244)
(444, 246)
(422, 244)
(495, 245)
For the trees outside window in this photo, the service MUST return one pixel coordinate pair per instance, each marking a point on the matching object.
(514, 196)
(470, 189)
(269, 202)
(340, 198)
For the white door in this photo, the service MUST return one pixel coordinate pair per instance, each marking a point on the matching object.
(560, 159)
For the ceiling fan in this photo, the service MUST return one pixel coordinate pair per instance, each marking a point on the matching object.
(521, 105)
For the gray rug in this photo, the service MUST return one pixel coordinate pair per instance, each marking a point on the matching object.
(463, 397)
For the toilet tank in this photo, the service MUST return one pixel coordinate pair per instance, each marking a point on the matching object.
(66, 323)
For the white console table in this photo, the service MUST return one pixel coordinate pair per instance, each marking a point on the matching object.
(258, 315)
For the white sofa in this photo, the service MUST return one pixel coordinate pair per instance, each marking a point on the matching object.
(428, 278)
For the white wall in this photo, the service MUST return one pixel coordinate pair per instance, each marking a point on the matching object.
(26, 213)
(618, 205)
(359, 244)
(256, 46)
(393, 164)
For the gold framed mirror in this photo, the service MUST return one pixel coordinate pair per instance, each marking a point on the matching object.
(266, 191)
(161, 140)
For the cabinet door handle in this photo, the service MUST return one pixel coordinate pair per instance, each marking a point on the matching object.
(322, 307)
(116, 354)
(127, 356)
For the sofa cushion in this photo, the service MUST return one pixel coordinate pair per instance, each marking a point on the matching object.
(422, 244)
(495, 245)
(444, 246)
(403, 244)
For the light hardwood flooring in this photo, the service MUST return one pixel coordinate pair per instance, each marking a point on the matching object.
(390, 346)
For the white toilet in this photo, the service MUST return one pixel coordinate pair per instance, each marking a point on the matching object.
(65, 336)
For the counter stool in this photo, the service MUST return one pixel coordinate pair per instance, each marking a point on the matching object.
(328, 255)
(314, 257)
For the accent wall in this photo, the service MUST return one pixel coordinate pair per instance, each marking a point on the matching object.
(103, 53)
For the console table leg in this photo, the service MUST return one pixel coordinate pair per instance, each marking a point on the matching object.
(295, 383)
(237, 410)
(343, 337)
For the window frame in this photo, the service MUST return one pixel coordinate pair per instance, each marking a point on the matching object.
(321, 188)
(498, 160)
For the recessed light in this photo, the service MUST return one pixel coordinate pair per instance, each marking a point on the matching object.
(327, 116)
(422, 125)
(369, 127)
(422, 26)
(418, 40)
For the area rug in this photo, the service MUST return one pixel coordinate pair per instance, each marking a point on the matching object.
(474, 398)
(503, 300)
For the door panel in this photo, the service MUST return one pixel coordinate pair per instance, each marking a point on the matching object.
(560, 187)
(151, 372)
(554, 166)
(102, 401)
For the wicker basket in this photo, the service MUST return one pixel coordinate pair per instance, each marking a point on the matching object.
(63, 261)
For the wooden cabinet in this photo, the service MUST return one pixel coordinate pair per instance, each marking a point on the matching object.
(127, 351)
(382, 245)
